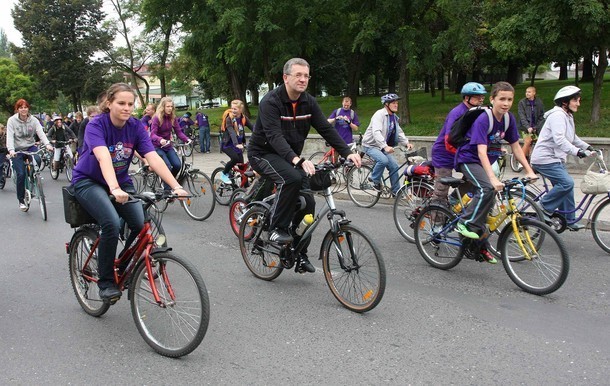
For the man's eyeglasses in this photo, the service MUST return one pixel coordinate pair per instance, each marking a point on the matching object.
(300, 76)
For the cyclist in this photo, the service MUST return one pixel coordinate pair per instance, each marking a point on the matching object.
(110, 141)
(531, 118)
(185, 123)
(443, 160)
(380, 138)
(3, 152)
(285, 117)
(162, 124)
(558, 139)
(234, 138)
(149, 111)
(21, 130)
(474, 160)
(60, 133)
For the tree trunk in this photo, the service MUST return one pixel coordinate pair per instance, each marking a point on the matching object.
(164, 55)
(255, 95)
(403, 81)
(533, 74)
(441, 85)
(587, 69)
(563, 71)
(576, 71)
(513, 73)
(353, 77)
(598, 82)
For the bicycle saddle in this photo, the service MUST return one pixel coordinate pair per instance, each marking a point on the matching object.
(451, 181)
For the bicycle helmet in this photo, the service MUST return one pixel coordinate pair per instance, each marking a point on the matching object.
(565, 94)
(473, 88)
(388, 98)
(56, 117)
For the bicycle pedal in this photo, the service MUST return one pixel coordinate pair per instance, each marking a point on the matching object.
(112, 301)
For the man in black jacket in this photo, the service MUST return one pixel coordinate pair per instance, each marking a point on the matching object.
(285, 117)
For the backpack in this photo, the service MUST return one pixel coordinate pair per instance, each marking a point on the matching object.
(223, 123)
(350, 111)
(457, 134)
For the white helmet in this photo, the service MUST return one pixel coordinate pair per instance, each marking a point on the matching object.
(565, 94)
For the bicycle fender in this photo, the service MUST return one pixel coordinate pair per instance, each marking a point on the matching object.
(329, 236)
(157, 250)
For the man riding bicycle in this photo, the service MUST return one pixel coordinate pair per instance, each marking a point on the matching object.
(285, 117)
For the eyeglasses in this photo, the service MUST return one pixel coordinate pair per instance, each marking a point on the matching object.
(300, 76)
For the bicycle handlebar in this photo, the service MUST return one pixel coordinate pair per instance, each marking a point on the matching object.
(39, 151)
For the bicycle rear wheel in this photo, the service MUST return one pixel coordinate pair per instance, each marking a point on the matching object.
(255, 250)
(236, 210)
(317, 157)
(84, 277)
(360, 189)
(600, 226)
(201, 205)
(41, 198)
(176, 325)
(353, 268)
(548, 264)
(514, 164)
(222, 191)
(436, 237)
(409, 201)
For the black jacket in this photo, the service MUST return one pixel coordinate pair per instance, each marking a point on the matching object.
(281, 130)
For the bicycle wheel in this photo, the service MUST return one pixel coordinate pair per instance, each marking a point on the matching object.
(238, 193)
(256, 252)
(188, 150)
(222, 191)
(360, 189)
(176, 325)
(514, 164)
(84, 277)
(69, 167)
(318, 157)
(201, 205)
(41, 198)
(548, 264)
(236, 210)
(600, 225)
(409, 201)
(354, 269)
(436, 237)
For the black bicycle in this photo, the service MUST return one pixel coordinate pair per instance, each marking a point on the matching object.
(66, 162)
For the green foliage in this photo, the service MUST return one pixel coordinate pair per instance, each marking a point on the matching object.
(14, 85)
(4, 46)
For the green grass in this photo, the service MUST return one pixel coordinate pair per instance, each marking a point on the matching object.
(428, 114)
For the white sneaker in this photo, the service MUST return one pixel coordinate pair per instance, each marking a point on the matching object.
(225, 178)
(23, 207)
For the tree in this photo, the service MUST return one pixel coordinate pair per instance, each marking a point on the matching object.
(14, 85)
(60, 38)
(4, 46)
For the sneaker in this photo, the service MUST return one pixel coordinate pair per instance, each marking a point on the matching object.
(225, 178)
(461, 229)
(280, 236)
(488, 257)
(110, 294)
(23, 206)
(304, 265)
(376, 185)
(576, 226)
(547, 216)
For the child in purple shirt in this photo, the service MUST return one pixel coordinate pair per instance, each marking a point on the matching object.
(345, 120)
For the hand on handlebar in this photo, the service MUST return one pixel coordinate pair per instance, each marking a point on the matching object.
(388, 149)
(355, 158)
(181, 193)
(497, 184)
(120, 195)
(49, 148)
(308, 167)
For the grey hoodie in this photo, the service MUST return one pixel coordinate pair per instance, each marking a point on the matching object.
(557, 138)
(20, 134)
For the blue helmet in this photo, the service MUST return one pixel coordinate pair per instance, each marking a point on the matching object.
(387, 98)
(473, 88)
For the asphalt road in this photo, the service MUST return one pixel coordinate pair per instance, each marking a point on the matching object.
(469, 325)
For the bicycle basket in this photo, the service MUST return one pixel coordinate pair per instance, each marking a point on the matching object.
(321, 180)
(74, 213)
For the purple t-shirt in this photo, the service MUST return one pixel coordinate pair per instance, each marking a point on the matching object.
(120, 142)
(202, 120)
(345, 131)
(441, 158)
(478, 136)
(146, 121)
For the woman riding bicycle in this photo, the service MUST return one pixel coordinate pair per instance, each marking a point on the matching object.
(62, 134)
(21, 131)
(161, 127)
(102, 173)
(234, 138)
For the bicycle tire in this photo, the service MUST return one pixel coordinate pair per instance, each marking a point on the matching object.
(359, 189)
(177, 325)
(41, 198)
(188, 150)
(236, 210)
(69, 167)
(238, 193)
(436, 237)
(222, 191)
(600, 225)
(543, 274)
(409, 201)
(514, 164)
(202, 201)
(359, 282)
(318, 157)
(253, 236)
(135, 160)
(85, 288)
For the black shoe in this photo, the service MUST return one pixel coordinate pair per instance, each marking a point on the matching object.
(576, 226)
(305, 265)
(376, 185)
(280, 236)
(110, 294)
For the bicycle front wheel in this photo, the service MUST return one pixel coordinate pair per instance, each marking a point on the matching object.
(222, 191)
(69, 168)
(353, 268)
(84, 272)
(201, 204)
(360, 189)
(236, 210)
(535, 258)
(41, 198)
(436, 237)
(600, 226)
(409, 201)
(176, 324)
(255, 250)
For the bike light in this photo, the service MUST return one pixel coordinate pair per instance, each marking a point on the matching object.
(160, 240)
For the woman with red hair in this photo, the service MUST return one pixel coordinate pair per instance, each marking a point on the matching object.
(21, 130)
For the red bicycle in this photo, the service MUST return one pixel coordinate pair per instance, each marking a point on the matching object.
(241, 176)
(169, 300)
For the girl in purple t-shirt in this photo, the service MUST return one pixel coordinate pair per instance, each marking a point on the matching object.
(110, 142)
(474, 160)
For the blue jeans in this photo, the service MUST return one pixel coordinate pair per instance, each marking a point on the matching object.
(95, 199)
(204, 139)
(382, 161)
(561, 196)
(172, 161)
(19, 168)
